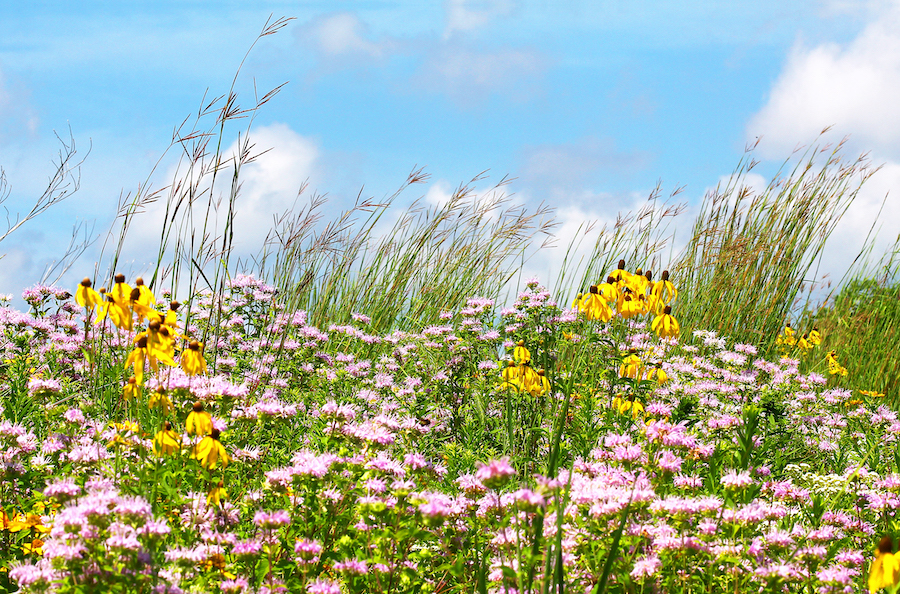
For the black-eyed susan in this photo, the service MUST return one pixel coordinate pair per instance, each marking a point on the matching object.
(192, 360)
(198, 421)
(210, 451)
(166, 442)
(665, 325)
(885, 569)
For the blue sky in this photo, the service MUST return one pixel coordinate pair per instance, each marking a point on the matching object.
(587, 104)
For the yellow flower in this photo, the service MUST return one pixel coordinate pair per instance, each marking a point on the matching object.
(521, 354)
(145, 296)
(192, 360)
(26, 521)
(634, 408)
(198, 421)
(835, 368)
(664, 290)
(216, 494)
(885, 569)
(166, 442)
(803, 344)
(132, 389)
(631, 304)
(814, 337)
(33, 547)
(872, 393)
(160, 400)
(595, 306)
(137, 359)
(210, 451)
(172, 315)
(632, 367)
(85, 296)
(786, 337)
(665, 325)
(658, 374)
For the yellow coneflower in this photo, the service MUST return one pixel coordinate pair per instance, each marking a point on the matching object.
(885, 569)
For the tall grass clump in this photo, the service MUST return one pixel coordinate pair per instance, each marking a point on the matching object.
(405, 273)
(750, 254)
(859, 324)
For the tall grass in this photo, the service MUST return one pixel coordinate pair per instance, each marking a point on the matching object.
(860, 323)
(750, 254)
(430, 259)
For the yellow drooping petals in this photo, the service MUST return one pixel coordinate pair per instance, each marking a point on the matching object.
(166, 442)
(132, 389)
(632, 367)
(632, 408)
(87, 297)
(136, 359)
(835, 368)
(198, 421)
(885, 569)
(815, 338)
(119, 313)
(160, 400)
(596, 307)
(658, 374)
(521, 355)
(630, 305)
(664, 290)
(192, 361)
(216, 494)
(210, 451)
(665, 325)
(786, 337)
(145, 294)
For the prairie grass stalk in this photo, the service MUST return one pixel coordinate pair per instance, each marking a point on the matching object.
(749, 254)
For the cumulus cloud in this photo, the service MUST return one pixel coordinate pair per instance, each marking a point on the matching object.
(851, 86)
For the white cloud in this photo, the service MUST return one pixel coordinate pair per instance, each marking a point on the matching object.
(343, 38)
(468, 15)
(853, 87)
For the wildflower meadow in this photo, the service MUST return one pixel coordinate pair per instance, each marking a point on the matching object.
(365, 413)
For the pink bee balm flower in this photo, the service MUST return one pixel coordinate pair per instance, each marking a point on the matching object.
(495, 473)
